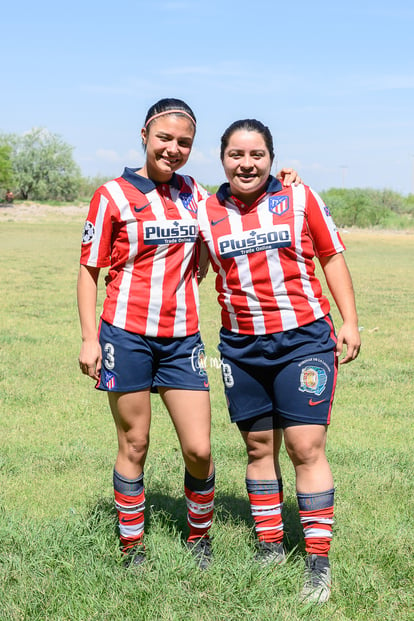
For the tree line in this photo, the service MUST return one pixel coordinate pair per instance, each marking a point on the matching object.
(39, 166)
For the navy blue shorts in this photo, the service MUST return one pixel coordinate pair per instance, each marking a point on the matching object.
(132, 362)
(289, 374)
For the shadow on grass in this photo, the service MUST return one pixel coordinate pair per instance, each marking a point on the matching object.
(170, 514)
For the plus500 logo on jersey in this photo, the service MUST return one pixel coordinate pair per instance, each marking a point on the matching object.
(169, 232)
(252, 241)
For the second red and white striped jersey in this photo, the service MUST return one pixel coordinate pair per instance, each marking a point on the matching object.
(147, 234)
(264, 256)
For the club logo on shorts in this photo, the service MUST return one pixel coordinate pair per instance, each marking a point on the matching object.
(313, 379)
(278, 205)
(188, 201)
(108, 379)
(198, 360)
(88, 232)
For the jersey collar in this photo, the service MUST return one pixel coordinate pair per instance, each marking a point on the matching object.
(273, 185)
(145, 185)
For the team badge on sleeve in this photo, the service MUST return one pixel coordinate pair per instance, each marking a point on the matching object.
(278, 205)
(88, 232)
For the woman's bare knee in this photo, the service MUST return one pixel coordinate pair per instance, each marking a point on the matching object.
(304, 454)
(134, 449)
(198, 455)
(305, 445)
(259, 445)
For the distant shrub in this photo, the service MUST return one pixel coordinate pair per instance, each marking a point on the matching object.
(357, 207)
(88, 185)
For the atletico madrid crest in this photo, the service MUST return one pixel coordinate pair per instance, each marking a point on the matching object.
(187, 198)
(278, 205)
(108, 379)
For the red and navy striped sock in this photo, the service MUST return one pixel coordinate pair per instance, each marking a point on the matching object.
(317, 517)
(266, 504)
(199, 494)
(130, 505)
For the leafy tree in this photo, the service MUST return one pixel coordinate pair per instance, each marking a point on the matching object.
(43, 165)
(391, 200)
(409, 204)
(88, 185)
(357, 207)
(6, 173)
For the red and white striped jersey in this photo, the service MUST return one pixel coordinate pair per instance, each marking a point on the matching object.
(147, 234)
(263, 256)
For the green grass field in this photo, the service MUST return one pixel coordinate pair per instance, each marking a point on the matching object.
(58, 541)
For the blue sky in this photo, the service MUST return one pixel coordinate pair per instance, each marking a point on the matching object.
(333, 81)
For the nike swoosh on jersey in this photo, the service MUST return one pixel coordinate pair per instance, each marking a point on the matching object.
(138, 209)
(214, 222)
(311, 402)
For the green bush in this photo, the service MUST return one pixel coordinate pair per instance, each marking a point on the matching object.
(356, 207)
(88, 185)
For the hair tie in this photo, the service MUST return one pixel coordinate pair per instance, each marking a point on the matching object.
(155, 116)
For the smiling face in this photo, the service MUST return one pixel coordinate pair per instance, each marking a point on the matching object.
(168, 141)
(247, 163)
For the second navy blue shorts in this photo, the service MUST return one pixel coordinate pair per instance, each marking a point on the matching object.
(132, 362)
(289, 374)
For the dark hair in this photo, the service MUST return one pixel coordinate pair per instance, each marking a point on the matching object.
(250, 125)
(163, 106)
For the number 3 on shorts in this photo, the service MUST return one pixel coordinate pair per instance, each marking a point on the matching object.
(109, 356)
